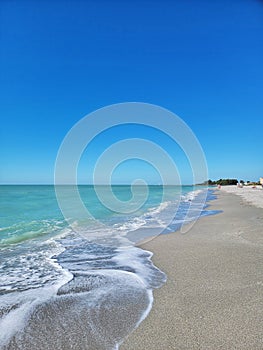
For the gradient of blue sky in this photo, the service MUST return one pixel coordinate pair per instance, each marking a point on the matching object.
(60, 60)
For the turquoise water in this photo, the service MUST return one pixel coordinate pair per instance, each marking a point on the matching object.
(28, 212)
(43, 258)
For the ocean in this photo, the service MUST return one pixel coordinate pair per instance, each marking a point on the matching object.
(83, 283)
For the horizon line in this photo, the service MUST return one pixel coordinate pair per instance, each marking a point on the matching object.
(117, 184)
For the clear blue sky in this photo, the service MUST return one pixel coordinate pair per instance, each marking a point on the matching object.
(60, 60)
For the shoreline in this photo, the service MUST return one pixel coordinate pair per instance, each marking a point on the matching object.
(212, 297)
(108, 294)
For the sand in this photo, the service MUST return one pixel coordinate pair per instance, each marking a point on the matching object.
(250, 194)
(213, 298)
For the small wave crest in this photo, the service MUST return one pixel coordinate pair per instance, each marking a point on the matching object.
(27, 230)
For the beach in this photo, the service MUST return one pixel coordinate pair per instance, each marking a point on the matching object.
(196, 286)
(250, 194)
(213, 295)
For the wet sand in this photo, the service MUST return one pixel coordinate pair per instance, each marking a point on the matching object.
(213, 298)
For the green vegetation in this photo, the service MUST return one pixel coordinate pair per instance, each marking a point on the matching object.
(225, 182)
(222, 182)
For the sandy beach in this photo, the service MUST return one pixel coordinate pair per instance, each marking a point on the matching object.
(249, 194)
(213, 296)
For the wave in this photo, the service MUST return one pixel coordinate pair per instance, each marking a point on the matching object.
(23, 231)
(97, 283)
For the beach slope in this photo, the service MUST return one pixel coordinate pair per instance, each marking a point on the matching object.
(213, 296)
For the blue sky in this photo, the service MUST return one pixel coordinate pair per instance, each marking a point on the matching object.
(61, 60)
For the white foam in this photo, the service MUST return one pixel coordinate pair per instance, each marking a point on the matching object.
(21, 269)
(191, 195)
(24, 303)
(140, 261)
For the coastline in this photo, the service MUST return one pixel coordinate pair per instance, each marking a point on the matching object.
(212, 298)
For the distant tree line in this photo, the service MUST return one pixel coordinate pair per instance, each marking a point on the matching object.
(225, 182)
(222, 182)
